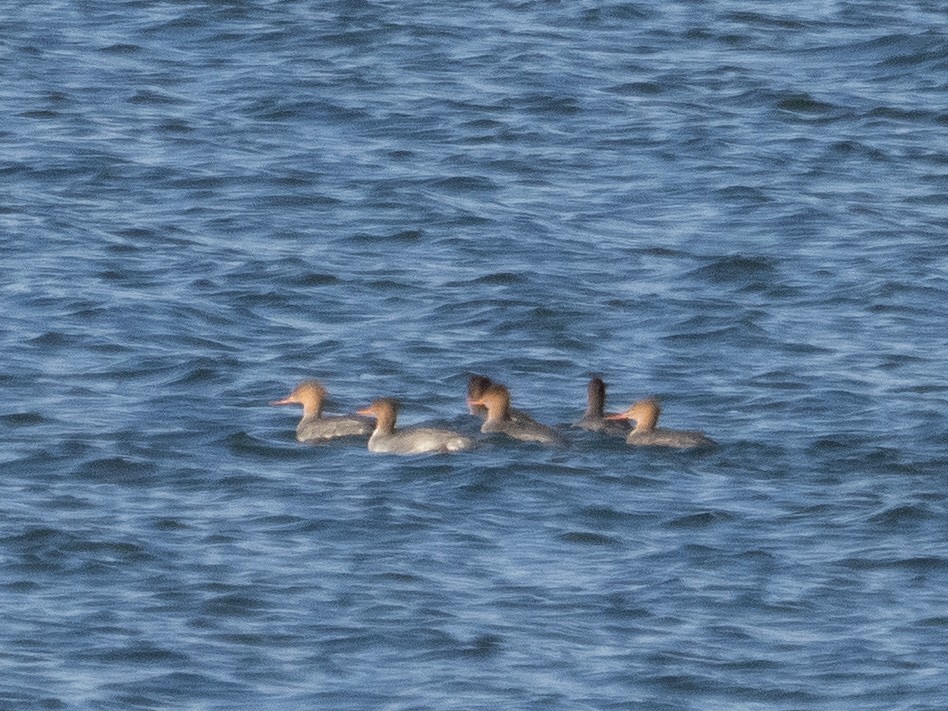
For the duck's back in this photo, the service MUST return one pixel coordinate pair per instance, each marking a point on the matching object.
(522, 418)
(418, 440)
(323, 428)
(670, 438)
(614, 428)
(524, 431)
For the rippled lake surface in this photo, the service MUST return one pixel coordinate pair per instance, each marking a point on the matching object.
(738, 207)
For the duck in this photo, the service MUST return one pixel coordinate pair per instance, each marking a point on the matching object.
(646, 432)
(476, 385)
(496, 398)
(594, 418)
(385, 439)
(313, 427)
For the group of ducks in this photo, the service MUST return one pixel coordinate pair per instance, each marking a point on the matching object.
(486, 399)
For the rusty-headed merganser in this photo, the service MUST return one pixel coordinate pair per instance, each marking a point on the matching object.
(314, 427)
(647, 433)
(496, 398)
(595, 417)
(413, 440)
(476, 385)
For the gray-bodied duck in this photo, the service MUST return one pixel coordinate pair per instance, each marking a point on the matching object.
(386, 439)
(646, 432)
(314, 427)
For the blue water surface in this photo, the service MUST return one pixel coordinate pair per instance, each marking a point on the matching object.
(739, 207)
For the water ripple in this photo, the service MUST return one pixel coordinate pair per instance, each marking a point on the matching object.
(738, 209)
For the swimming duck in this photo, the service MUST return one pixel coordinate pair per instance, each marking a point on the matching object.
(313, 427)
(413, 440)
(496, 398)
(647, 433)
(595, 417)
(476, 385)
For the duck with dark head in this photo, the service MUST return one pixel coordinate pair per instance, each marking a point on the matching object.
(595, 416)
(496, 399)
(476, 385)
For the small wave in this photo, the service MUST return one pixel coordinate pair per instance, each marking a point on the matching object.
(498, 279)
(917, 564)
(121, 48)
(179, 688)
(737, 269)
(804, 103)
(745, 194)
(587, 538)
(464, 184)
(141, 654)
(700, 520)
(23, 419)
(313, 279)
(233, 605)
(153, 98)
(759, 19)
(243, 444)
(900, 516)
(406, 236)
(638, 88)
(116, 469)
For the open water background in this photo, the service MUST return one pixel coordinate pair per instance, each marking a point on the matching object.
(740, 207)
